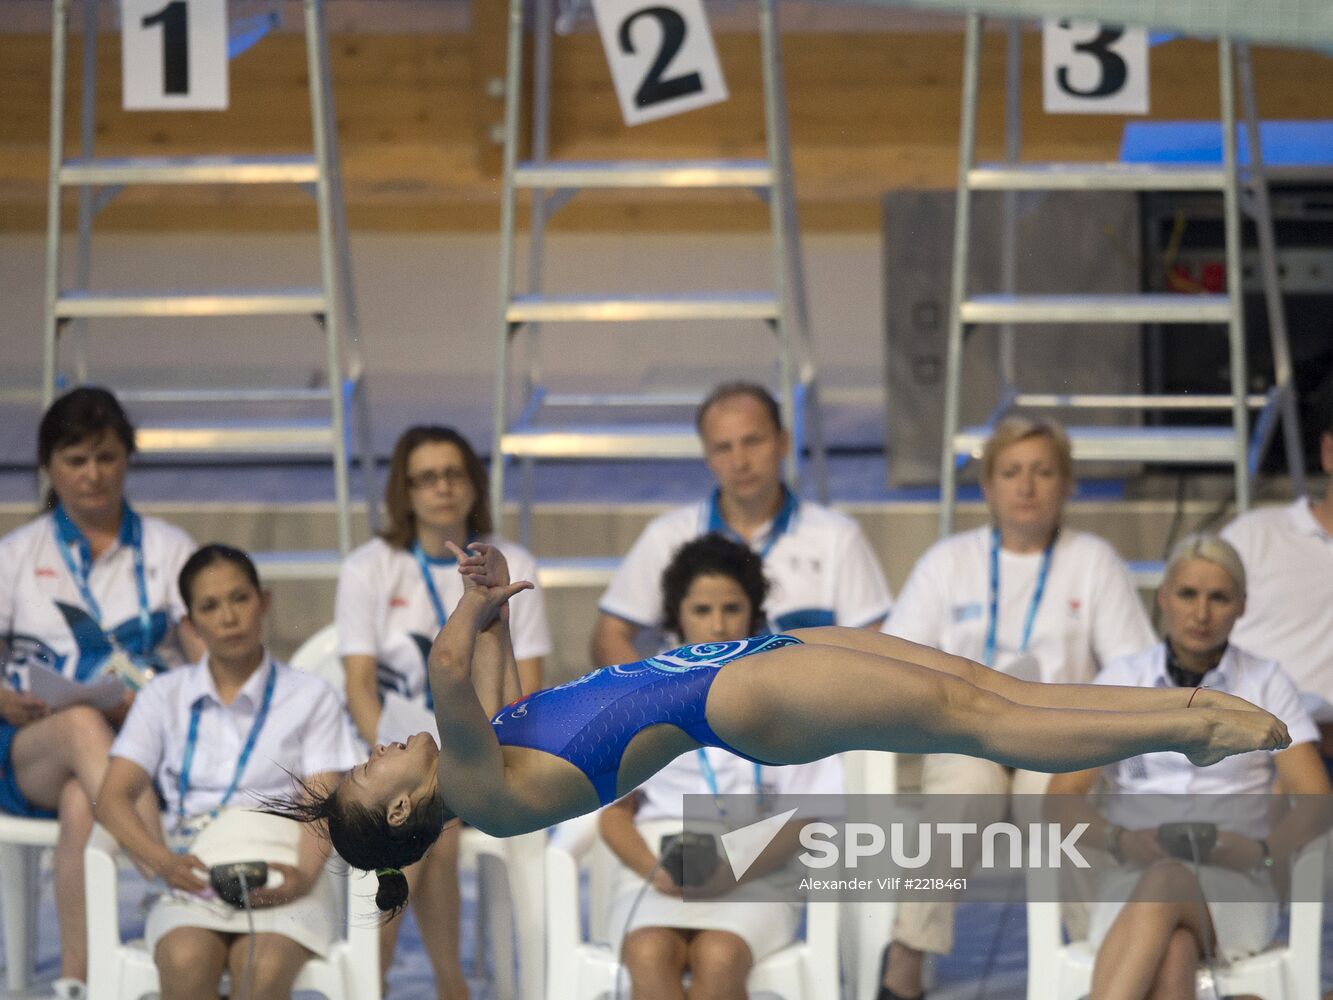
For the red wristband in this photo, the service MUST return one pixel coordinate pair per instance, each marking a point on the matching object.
(1191, 701)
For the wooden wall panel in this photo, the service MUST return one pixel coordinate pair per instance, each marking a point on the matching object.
(869, 112)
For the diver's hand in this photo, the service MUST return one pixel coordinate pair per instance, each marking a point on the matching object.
(486, 573)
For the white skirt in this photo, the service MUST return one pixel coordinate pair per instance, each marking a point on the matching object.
(1242, 928)
(313, 921)
(766, 926)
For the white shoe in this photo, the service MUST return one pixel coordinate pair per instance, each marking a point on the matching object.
(69, 989)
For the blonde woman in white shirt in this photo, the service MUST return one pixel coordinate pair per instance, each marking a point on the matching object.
(230, 730)
(394, 593)
(1024, 595)
(1156, 924)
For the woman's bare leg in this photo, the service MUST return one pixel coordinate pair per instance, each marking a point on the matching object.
(190, 962)
(1175, 977)
(802, 703)
(277, 963)
(1138, 952)
(59, 762)
(720, 963)
(436, 905)
(655, 959)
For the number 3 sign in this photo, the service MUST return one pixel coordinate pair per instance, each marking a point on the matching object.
(661, 57)
(174, 54)
(1093, 68)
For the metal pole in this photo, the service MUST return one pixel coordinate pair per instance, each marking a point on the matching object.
(513, 88)
(1235, 293)
(322, 121)
(1013, 140)
(958, 278)
(773, 135)
(51, 328)
(87, 135)
(1277, 311)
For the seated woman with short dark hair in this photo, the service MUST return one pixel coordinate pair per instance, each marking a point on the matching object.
(228, 732)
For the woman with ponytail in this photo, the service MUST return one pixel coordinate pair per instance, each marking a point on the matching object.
(510, 764)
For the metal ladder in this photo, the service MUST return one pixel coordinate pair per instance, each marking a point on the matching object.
(332, 304)
(552, 184)
(1177, 445)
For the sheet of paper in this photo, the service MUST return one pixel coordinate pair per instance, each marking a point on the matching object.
(58, 691)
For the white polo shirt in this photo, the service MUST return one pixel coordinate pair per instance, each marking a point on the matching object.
(1260, 682)
(1089, 612)
(1288, 558)
(44, 617)
(820, 568)
(384, 610)
(663, 795)
(305, 732)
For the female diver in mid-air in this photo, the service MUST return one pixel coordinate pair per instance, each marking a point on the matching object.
(509, 765)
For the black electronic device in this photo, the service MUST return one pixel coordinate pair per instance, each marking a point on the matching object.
(689, 858)
(232, 882)
(1188, 841)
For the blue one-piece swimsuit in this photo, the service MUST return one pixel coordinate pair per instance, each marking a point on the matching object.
(590, 721)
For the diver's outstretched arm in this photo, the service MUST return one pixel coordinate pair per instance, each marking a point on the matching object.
(493, 667)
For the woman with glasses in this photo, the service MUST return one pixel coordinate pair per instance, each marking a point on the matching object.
(394, 594)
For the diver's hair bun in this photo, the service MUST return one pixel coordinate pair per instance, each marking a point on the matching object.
(391, 896)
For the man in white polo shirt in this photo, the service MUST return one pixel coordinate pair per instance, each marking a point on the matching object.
(821, 568)
(1288, 556)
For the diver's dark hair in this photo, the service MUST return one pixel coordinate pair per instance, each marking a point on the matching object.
(365, 839)
(713, 555)
(213, 552)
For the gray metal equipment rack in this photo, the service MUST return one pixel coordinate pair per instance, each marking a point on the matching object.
(1233, 445)
(332, 304)
(551, 184)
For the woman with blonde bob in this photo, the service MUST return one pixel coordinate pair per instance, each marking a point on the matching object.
(1027, 596)
(509, 764)
(1151, 945)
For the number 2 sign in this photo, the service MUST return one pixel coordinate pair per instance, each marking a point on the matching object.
(1092, 68)
(661, 56)
(174, 54)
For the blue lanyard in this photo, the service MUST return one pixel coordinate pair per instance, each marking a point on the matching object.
(781, 523)
(988, 657)
(424, 563)
(69, 539)
(706, 766)
(197, 710)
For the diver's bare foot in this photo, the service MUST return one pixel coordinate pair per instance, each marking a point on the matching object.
(1225, 732)
(1211, 698)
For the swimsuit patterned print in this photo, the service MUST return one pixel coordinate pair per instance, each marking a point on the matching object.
(591, 720)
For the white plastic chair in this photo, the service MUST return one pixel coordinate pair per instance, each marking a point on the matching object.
(124, 970)
(509, 871)
(867, 926)
(22, 841)
(583, 969)
(318, 655)
(1290, 971)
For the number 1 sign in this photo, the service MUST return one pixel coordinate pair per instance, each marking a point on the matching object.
(661, 57)
(174, 55)
(1091, 68)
